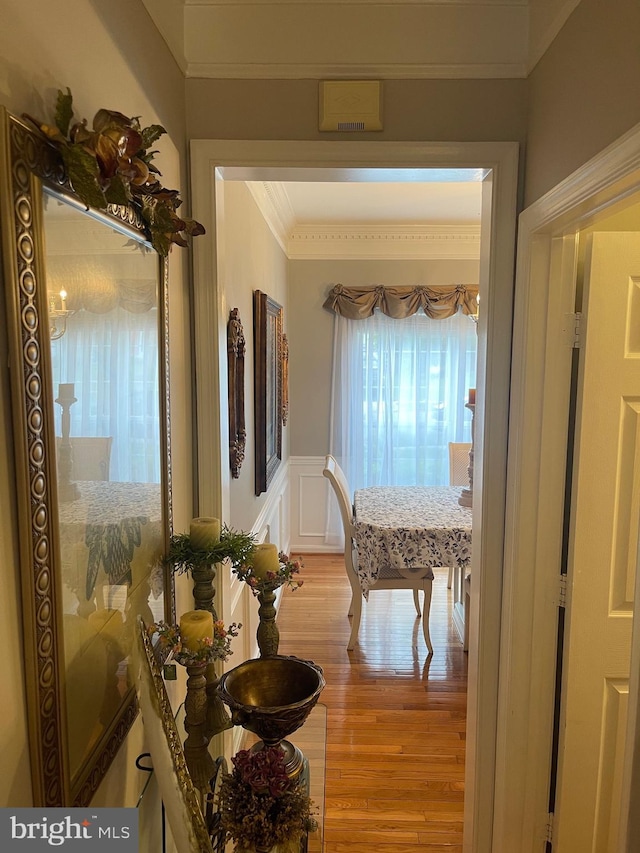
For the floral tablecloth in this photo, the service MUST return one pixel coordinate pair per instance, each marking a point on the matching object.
(400, 528)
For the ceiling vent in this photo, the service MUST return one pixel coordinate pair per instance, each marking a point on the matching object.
(350, 105)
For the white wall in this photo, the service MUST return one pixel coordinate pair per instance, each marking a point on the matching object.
(253, 260)
(109, 55)
(249, 259)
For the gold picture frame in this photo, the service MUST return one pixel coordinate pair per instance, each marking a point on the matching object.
(267, 342)
(85, 572)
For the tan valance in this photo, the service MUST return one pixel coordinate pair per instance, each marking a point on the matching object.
(437, 302)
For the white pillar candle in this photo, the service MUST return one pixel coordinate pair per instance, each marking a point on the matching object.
(196, 626)
(204, 533)
(265, 559)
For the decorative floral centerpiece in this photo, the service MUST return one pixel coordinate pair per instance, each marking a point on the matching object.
(204, 650)
(111, 163)
(266, 568)
(260, 808)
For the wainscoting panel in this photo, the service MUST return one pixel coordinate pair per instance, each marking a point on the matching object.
(309, 492)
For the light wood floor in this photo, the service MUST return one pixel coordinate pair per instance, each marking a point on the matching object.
(395, 717)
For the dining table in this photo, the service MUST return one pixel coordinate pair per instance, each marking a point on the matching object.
(412, 527)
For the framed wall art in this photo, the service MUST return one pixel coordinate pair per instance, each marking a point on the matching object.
(267, 332)
(235, 375)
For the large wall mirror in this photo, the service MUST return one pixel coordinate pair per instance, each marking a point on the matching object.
(86, 309)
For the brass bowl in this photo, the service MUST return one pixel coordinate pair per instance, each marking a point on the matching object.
(273, 696)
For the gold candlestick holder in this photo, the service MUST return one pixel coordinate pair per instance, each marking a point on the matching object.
(217, 718)
(200, 763)
(267, 635)
(204, 575)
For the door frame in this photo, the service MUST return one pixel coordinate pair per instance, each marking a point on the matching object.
(211, 162)
(539, 423)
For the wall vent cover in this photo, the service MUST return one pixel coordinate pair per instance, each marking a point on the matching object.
(348, 105)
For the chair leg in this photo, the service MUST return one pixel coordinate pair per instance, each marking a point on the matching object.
(416, 600)
(353, 597)
(356, 605)
(426, 610)
(450, 577)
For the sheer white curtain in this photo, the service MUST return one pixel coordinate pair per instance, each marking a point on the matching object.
(398, 396)
(112, 360)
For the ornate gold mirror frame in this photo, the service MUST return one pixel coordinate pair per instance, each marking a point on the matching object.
(65, 525)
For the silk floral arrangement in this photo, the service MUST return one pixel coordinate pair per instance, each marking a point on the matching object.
(259, 807)
(210, 649)
(287, 573)
(112, 163)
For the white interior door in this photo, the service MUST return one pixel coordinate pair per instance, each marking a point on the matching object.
(603, 552)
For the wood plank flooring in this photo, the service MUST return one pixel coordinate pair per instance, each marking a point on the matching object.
(395, 717)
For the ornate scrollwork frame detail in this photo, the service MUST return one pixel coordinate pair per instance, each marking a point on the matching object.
(26, 161)
(284, 381)
(235, 366)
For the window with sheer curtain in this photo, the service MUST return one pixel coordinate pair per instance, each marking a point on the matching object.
(398, 396)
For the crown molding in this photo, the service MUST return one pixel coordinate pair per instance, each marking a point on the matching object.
(541, 42)
(274, 205)
(359, 241)
(356, 2)
(384, 242)
(395, 71)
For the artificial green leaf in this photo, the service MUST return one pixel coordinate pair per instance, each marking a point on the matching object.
(160, 242)
(116, 192)
(82, 171)
(194, 228)
(150, 135)
(158, 215)
(64, 111)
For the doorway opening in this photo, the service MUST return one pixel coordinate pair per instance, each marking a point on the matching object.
(214, 162)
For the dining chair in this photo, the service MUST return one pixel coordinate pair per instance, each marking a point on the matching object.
(90, 455)
(389, 577)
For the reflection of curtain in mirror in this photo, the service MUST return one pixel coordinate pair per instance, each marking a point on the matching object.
(112, 360)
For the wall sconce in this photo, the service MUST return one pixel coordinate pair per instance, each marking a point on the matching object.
(58, 316)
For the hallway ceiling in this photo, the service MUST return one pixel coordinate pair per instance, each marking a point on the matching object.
(366, 39)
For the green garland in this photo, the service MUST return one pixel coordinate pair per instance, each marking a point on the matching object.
(113, 164)
(233, 545)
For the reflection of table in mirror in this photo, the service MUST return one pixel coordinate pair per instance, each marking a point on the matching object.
(110, 543)
(101, 531)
